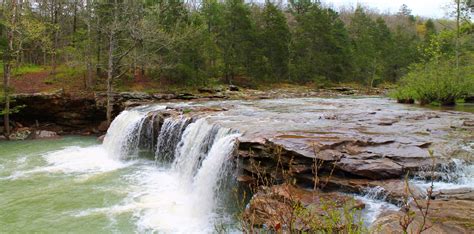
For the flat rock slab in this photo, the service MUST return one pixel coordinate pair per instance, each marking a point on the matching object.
(371, 138)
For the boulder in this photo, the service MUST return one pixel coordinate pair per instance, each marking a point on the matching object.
(43, 134)
(233, 88)
(21, 134)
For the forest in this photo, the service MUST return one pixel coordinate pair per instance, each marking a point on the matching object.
(107, 45)
(197, 43)
(236, 116)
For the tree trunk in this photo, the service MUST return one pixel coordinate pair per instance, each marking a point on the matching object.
(110, 74)
(90, 73)
(110, 65)
(7, 68)
(458, 32)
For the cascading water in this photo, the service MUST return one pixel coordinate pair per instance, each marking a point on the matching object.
(457, 174)
(375, 203)
(180, 197)
(122, 138)
(169, 137)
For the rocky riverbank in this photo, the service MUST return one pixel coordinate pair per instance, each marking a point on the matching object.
(64, 113)
(321, 149)
(305, 151)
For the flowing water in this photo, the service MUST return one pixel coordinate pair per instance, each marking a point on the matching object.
(74, 184)
(170, 180)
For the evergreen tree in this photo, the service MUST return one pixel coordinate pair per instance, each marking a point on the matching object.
(274, 41)
(320, 49)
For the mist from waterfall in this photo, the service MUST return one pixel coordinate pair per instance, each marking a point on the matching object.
(182, 195)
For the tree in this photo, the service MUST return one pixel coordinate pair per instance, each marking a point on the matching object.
(320, 47)
(274, 40)
(237, 39)
(10, 13)
(371, 41)
(118, 26)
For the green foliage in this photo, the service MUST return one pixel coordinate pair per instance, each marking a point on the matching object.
(274, 41)
(319, 49)
(337, 218)
(436, 81)
(181, 43)
(23, 69)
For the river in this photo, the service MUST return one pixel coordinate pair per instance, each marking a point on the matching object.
(183, 185)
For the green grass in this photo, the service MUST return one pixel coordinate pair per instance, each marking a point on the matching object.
(23, 69)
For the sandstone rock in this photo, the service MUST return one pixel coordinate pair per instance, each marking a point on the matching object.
(371, 168)
(454, 216)
(135, 95)
(454, 194)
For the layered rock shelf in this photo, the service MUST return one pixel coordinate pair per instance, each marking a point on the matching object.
(347, 146)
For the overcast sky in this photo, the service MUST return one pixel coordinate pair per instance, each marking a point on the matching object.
(427, 8)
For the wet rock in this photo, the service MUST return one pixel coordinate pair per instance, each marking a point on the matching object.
(455, 216)
(392, 190)
(44, 134)
(101, 139)
(388, 122)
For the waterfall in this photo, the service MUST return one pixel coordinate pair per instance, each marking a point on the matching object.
(122, 138)
(181, 197)
(193, 147)
(169, 137)
(213, 168)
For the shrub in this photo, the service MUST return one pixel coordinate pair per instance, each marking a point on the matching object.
(436, 81)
